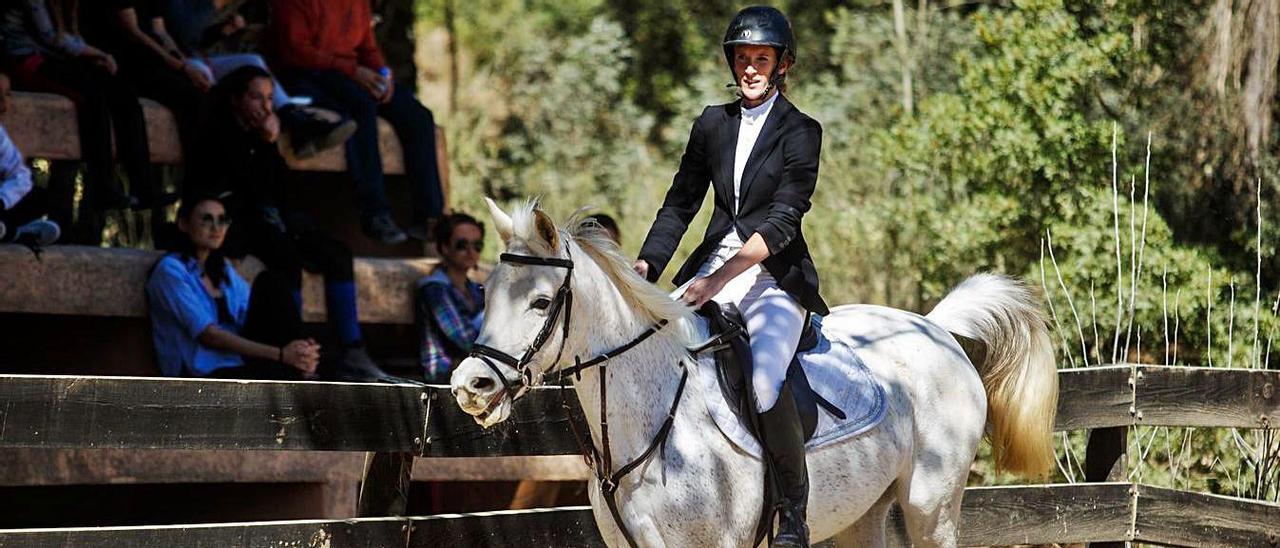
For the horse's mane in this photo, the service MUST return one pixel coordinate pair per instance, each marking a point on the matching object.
(645, 298)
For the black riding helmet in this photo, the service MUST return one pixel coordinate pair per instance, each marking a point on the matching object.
(761, 26)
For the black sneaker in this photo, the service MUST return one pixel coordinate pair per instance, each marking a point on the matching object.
(382, 228)
(309, 131)
(423, 231)
(40, 232)
(357, 366)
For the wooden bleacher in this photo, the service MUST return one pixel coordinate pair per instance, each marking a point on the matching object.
(81, 310)
(43, 125)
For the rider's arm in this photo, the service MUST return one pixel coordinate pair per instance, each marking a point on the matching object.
(791, 198)
(684, 198)
(752, 252)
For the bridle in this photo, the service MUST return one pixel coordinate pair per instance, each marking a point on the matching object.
(563, 300)
(599, 460)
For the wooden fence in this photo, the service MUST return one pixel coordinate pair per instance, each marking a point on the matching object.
(399, 422)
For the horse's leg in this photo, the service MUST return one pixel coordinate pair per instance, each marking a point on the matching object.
(869, 530)
(931, 490)
(931, 487)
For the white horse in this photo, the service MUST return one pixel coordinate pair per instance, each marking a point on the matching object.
(701, 490)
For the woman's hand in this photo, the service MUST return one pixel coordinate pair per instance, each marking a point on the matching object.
(302, 354)
(197, 76)
(101, 59)
(642, 268)
(703, 289)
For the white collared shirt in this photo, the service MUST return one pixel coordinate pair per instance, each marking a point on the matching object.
(748, 133)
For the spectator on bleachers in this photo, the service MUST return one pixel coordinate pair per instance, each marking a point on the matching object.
(237, 153)
(195, 27)
(133, 31)
(450, 305)
(21, 203)
(205, 319)
(42, 55)
(325, 49)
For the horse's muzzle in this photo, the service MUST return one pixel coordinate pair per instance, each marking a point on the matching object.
(480, 393)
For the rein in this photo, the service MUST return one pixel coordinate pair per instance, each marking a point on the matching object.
(599, 460)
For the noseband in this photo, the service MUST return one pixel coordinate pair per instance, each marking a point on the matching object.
(562, 301)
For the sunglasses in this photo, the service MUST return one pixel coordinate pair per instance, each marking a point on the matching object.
(461, 245)
(208, 220)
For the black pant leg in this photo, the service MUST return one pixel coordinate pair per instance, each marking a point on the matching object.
(325, 255)
(273, 319)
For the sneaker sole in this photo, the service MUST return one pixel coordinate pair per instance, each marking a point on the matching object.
(338, 136)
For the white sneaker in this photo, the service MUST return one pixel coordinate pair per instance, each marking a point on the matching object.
(41, 232)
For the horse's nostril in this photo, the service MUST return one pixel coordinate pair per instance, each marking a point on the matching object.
(482, 383)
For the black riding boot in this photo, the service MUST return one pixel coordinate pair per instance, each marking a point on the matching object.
(784, 442)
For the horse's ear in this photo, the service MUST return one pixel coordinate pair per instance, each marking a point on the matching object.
(501, 220)
(546, 230)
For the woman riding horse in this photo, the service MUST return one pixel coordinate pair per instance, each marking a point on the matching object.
(760, 155)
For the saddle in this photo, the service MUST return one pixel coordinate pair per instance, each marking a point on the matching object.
(731, 348)
(730, 345)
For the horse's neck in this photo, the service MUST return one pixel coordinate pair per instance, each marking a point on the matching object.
(640, 384)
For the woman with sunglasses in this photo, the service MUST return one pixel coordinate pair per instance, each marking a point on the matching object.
(205, 319)
(450, 305)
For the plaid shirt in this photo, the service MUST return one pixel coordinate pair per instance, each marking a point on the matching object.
(449, 324)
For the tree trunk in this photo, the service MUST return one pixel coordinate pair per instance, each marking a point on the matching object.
(904, 54)
(395, 38)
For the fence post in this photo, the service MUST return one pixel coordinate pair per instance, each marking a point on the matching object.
(385, 489)
(1104, 461)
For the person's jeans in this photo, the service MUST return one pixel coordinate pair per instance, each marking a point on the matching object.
(413, 123)
(219, 65)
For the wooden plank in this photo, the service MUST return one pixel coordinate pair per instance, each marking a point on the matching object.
(23, 466)
(568, 527)
(1181, 518)
(539, 468)
(134, 412)
(91, 281)
(362, 533)
(571, 527)
(1044, 514)
(538, 425)
(1212, 397)
(43, 125)
(1094, 397)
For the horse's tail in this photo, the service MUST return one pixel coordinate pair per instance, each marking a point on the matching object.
(1016, 364)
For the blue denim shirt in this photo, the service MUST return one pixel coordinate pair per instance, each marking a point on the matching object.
(181, 309)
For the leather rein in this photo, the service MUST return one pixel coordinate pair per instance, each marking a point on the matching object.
(599, 460)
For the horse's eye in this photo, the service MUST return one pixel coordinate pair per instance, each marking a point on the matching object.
(541, 303)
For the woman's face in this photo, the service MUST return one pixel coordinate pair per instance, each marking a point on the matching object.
(254, 107)
(462, 251)
(206, 225)
(752, 66)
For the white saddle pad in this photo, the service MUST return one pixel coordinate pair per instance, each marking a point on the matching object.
(835, 372)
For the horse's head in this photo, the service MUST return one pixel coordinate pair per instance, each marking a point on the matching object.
(528, 305)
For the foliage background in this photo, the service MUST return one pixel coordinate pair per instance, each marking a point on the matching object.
(1136, 136)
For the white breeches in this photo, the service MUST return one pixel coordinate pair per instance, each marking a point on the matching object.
(774, 320)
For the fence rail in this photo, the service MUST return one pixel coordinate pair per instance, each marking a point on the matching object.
(159, 413)
(399, 422)
(1041, 514)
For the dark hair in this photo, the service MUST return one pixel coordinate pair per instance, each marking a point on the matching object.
(606, 222)
(216, 265)
(444, 228)
(232, 86)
